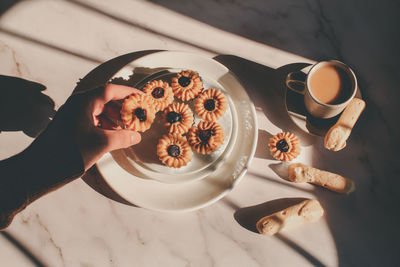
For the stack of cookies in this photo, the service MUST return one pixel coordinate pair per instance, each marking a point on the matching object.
(175, 148)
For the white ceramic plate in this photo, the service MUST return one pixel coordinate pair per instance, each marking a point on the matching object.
(143, 157)
(137, 179)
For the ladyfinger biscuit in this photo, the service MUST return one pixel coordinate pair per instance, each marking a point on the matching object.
(309, 210)
(335, 138)
(300, 173)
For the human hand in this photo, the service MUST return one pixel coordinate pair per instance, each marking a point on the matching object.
(96, 132)
(80, 133)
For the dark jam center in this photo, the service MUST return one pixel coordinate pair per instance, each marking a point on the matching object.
(173, 151)
(158, 92)
(282, 145)
(140, 114)
(205, 135)
(173, 117)
(184, 81)
(209, 104)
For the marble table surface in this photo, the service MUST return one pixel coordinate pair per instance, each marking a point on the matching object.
(56, 43)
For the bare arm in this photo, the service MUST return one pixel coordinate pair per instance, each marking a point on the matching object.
(76, 138)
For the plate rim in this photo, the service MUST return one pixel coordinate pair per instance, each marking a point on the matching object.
(240, 174)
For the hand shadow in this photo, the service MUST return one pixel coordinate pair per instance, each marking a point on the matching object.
(23, 106)
(266, 88)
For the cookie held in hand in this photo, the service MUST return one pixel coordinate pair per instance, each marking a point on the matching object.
(160, 92)
(137, 112)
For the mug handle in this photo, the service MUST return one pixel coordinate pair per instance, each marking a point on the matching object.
(296, 81)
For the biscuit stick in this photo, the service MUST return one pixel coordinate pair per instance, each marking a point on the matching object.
(309, 210)
(335, 138)
(300, 173)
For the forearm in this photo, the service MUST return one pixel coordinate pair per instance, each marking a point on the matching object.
(51, 161)
(47, 166)
(12, 196)
(75, 139)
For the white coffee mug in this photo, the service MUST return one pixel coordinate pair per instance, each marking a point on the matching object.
(314, 106)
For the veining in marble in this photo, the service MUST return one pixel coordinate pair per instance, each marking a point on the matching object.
(55, 43)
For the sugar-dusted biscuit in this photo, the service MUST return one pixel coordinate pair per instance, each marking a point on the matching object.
(309, 210)
(335, 138)
(211, 104)
(300, 173)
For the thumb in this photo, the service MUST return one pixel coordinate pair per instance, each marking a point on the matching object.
(117, 139)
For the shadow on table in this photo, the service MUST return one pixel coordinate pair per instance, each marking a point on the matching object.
(24, 106)
(249, 216)
(7, 4)
(266, 88)
(349, 218)
(34, 259)
(93, 178)
(262, 150)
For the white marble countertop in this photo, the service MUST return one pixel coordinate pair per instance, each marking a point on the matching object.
(55, 43)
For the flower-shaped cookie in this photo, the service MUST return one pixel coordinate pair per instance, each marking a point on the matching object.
(161, 93)
(174, 151)
(284, 146)
(206, 137)
(178, 118)
(186, 85)
(211, 104)
(137, 112)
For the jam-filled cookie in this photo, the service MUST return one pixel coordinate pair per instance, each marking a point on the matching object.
(178, 118)
(206, 137)
(284, 146)
(211, 104)
(161, 93)
(174, 150)
(186, 85)
(137, 112)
